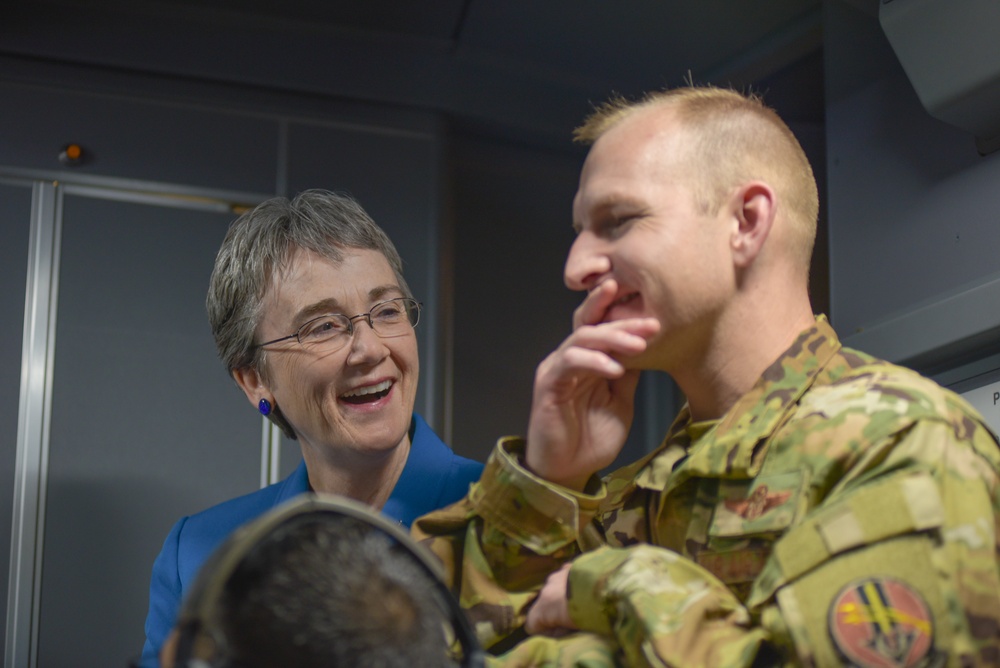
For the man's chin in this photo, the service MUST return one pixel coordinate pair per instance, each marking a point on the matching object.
(641, 362)
(651, 359)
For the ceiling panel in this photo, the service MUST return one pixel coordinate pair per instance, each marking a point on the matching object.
(527, 67)
(624, 41)
(437, 19)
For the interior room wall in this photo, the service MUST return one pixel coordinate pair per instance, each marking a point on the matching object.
(490, 218)
(134, 423)
(512, 229)
(15, 215)
(912, 209)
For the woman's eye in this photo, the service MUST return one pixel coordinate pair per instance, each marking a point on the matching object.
(322, 328)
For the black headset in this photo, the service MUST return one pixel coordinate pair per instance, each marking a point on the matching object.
(201, 641)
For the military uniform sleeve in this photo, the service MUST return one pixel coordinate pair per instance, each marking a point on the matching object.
(896, 567)
(661, 609)
(576, 650)
(899, 565)
(499, 543)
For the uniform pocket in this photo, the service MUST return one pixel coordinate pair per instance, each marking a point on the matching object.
(748, 516)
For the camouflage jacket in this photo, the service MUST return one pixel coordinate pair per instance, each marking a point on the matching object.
(843, 511)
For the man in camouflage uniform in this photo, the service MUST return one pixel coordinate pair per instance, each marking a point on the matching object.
(811, 505)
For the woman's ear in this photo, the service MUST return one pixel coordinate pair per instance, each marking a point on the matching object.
(753, 207)
(249, 380)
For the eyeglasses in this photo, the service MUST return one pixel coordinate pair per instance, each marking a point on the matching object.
(393, 317)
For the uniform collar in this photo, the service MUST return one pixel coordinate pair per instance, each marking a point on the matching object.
(733, 448)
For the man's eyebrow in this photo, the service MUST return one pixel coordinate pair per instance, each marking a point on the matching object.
(331, 305)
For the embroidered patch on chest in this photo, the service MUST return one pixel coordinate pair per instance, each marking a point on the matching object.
(767, 504)
(881, 623)
(759, 502)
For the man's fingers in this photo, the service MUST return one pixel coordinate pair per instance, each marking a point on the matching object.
(626, 386)
(535, 624)
(623, 337)
(538, 625)
(549, 614)
(577, 360)
(597, 350)
(595, 304)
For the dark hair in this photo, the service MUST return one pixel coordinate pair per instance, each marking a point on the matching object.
(324, 592)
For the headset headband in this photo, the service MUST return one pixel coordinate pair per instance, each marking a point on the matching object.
(201, 641)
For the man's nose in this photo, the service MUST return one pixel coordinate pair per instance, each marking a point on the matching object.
(587, 262)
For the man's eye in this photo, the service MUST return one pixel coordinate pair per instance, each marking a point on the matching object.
(616, 224)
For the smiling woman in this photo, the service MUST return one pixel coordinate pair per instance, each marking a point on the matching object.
(346, 398)
(312, 317)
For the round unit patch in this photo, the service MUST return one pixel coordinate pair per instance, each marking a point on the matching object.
(881, 623)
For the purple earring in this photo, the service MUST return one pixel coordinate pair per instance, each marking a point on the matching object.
(264, 407)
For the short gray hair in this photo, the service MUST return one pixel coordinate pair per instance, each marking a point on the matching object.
(260, 244)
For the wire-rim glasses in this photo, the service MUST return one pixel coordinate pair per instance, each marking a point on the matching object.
(393, 317)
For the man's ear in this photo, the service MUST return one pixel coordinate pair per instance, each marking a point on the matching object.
(753, 207)
(252, 385)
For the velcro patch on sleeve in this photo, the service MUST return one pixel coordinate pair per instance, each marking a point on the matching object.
(906, 505)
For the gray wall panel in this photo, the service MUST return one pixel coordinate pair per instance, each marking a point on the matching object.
(513, 229)
(146, 425)
(138, 139)
(15, 215)
(912, 206)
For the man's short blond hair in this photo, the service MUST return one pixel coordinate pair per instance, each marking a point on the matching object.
(732, 139)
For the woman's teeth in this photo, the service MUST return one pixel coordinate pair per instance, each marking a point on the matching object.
(369, 393)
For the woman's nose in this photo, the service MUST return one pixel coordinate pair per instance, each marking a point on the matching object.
(366, 346)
